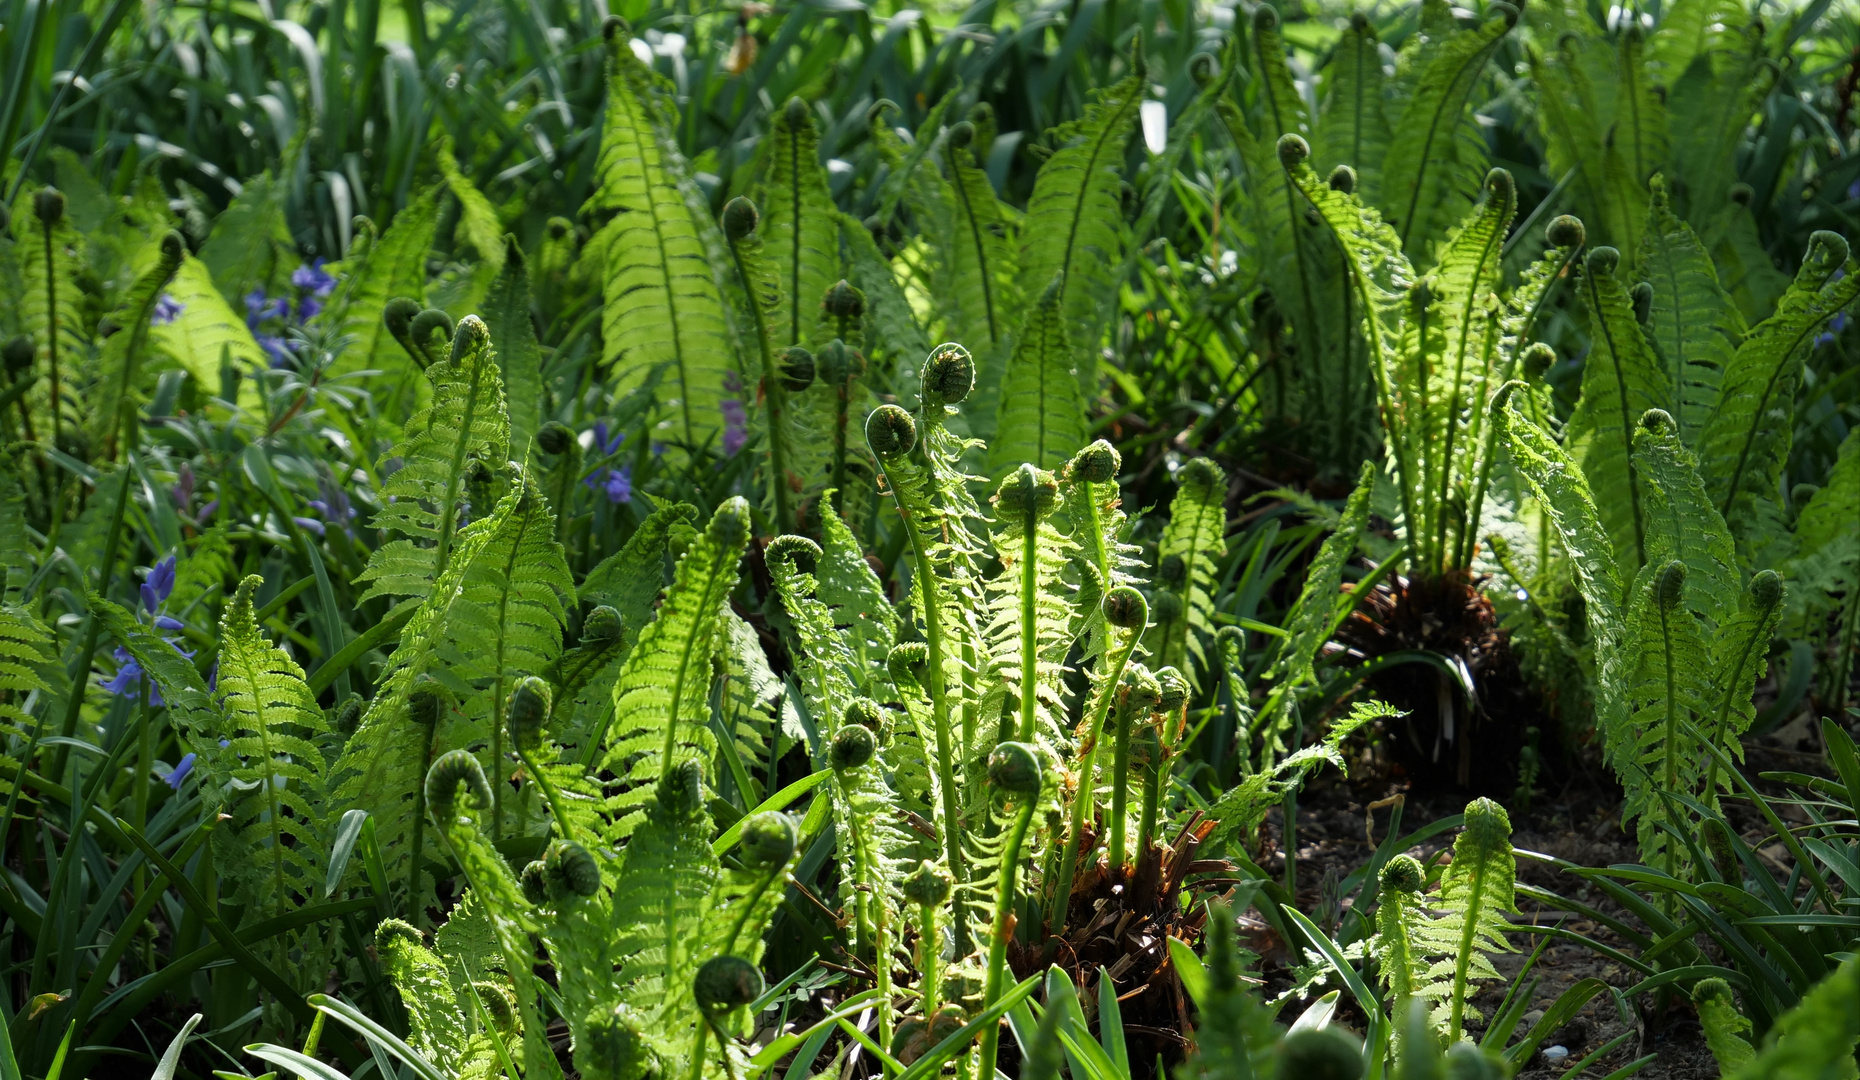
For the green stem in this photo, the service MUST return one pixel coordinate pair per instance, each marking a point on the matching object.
(929, 958)
(1086, 796)
(1152, 798)
(1029, 623)
(1003, 929)
(1120, 786)
(1670, 735)
(550, 792)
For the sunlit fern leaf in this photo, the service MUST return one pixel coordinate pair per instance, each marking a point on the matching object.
(250, 240)
(1681, 521)
(975, 276)
(1572, 113)
(1401, 952)
(630, 579)
(1353, 129)
(123, 361)
(662, 701)
(1689, 29)
(1188, 555)
(274, 842)
(662, 303)
(1621, 380)
(1721, 86)
(16, 554)
(1418, 178)
(206, 335)
(1746, 439)
(1029, 619)
(895, 339)
(1671, 697)
(793, 426)
(910, 185)
(1241, 809)
(1744, 264)
(1074, 229)
(750, 704)
(519, 358)
(1307, 625)
(1476, 891)
(436, 1026)
(850, 587)
(1739, 655)
(393, 265)
(800, 225)
(1815, 1039)
(26, 652)
(828, 670)
(465, 425)
(1827, 553)
(1694, 326)
(661, 906)
(1041, 417)
(1638, 137)
(477, 218)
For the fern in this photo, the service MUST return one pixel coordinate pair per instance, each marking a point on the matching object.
(1575, 114)
(1815, 1039)
(630, 579)
(975, 274)
(1354, 129)
(662, 304)
(437, 1026)
(800, 227)
(1192, 545)
(112, 403)
(50, 256)
(1240, 810)
(464, 425)
(1426, 158)
(26, 654)
(206, 334)
(1028, 628)
(1694, 325)
(477, 219)
(277, 816)
(1723, 1024)
(1476, 891)
(1745, 442)
(849, 586)
(393, 265)
(1040, 419)
(1826, 560)
(519, 358)
(1074, 228)
(1400, 945)
(661, 707)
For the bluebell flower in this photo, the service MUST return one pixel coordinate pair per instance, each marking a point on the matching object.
(207, 512)
(607, 447)
(259, 307)
(620, 484)
(312, 524)
(164, 622)
(127, 682)
(159, 585)
(1835, 325)
(313, 277)
(1853, 190)
(167, 309)
(181, 769)
(735, 426)
(278, 348)
(309, 308)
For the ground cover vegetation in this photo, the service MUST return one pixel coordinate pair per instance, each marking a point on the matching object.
(783, 541)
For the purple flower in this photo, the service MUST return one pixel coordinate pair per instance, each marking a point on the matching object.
(607, 447)
(185, 766)
(1835, 325)
(314, 278)
(620, 484)
(159, 585)
(207, 512)
(280, 351)
(167, 309)
(735, 426)
(259, 307)
(309, 308)
(312, 524)
(163, 622)
(183, 490)
(127, 681)
(1853, 190)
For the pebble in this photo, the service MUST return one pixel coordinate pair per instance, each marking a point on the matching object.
(1555, 1055)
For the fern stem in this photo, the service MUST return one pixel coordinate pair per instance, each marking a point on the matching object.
(1152, 798)
(929, 958)
(51, 319)
(1029, 623)
(415, 909)
(1627, 422)
(550, 792)
(1670, 737)
(776, 396)
(1758, 635)
(1003, 929)
(1120, 785)
(1086, 795)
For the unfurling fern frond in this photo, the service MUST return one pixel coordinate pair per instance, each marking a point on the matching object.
(1746, 439)
(438, 1027)
(1815, 1040)
(1192, 544)
(465, 427)
(519, 358)
(393, 265)
(1401, 950)
(1041, 417)
(271, 721)
(661, 700)
(1029, 616)
(662, 304)
(1680, 520)
(1476, 891)
(976, 271)
(120, 368)
(800, 226)
(1694, 325)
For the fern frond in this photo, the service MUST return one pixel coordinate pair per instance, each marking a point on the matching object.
(1746, 439)
(630, 579)
(976, 272)
(1041, 417)
(1353, 129)
(1638, 138)
(1682, 523)
(1192, 544)
(477, 218)
(1029, 614)
(1307, 625)
(1074, 227)
(394, 265)
(519, 358)
(1574, 113)
(1476, 891)
(1417, 183)
(1814, 1040)
(1694, 325)
(662, 302)
(437, 1027)
(206, 333)
(800, 226)
(122, 362)
(852, 589)
(250, 239)
(183, 691)
(1670, 696)
(661, 701)
(894, 338)
(26, 653)
(1239, 812)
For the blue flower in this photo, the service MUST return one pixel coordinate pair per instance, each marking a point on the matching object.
(127, 681)
(607, 447)
(280, 351)
(309, 308)
(163, 622)
(185, 766)
(167, 309)
(1835, 325)
(312, 524)
(314, 278)
(735, 426)
(620, 484)
(160, 584)
(259, 307)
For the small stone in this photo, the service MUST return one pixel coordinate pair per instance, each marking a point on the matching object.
(1555, 1054)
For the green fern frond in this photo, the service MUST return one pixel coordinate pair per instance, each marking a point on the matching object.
(1400, 948)
(1417, 180)
(661, 701)
(749, 703)
(630, 579)
(1029, 613)
(477, 218)
(1746, 440)
(662, 302)
(1239, 812)
(1814, 1040)
(464, 425)
(437, 1027)
(1638, 138)
(48, 288)
(1574, 113)
(1476, 891)
(1827, 552)
(1353, 129)
(1670, 697)
(976, 272)
(206, 333)
(1694, 325)
(26, 653)
(1307, 625)
(1621, 380)
(1041, 417)
(123, 362)
(250, 239)
(853, 590)
(800, 226)
(1681, 521)
(1192, 545)
(393, 265)
(183, 691)
(519, 358)
(1074, 231)
(894, 338)
(272, 720)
